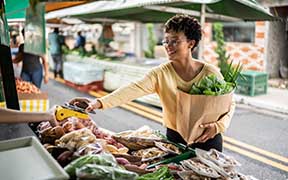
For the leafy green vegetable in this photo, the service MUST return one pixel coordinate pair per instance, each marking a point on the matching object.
(101, 159)
(162, 173)
(211, 85)
(231, 73)
(94, 171)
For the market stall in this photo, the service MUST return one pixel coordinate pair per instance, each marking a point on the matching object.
(115, 73)
(31, 99)
(85, 150)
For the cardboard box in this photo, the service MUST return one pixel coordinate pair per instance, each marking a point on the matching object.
(32, 102)
(26, 96)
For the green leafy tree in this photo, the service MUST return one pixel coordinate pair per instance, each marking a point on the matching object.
(151, 41)
(229, 72)
(220, 49)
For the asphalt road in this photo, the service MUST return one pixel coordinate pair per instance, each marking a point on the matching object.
(260, 129)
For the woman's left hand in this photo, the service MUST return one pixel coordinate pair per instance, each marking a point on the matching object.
(210, 131)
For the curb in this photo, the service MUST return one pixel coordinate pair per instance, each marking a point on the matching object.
(260, 104)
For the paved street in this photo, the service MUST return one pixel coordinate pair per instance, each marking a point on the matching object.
(263, 130)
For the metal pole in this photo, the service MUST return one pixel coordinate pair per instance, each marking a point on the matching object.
(202, 22)
(138, 43)
(8, 78)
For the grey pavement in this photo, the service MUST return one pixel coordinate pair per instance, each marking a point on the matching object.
(275, 100)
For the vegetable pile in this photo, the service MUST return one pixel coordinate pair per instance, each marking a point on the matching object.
(26, 87)
(211, 85)
(99, 166)
(162, 173)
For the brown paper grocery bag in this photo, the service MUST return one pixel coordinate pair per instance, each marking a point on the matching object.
(193, 110)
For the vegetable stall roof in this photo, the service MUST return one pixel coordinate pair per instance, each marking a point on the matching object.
(161, 10)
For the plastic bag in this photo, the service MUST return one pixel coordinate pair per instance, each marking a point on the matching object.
(100, 159)
(93, 148)
(223, 164)
(94, 171)
(149, 154)
(76, 139)
(218, 158)
(169, 148)
(199, 167)
(141, 138)
(191, 175)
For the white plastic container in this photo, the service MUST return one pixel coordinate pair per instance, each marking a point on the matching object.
(26, 159)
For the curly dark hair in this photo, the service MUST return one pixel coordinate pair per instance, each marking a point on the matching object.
(186, 24)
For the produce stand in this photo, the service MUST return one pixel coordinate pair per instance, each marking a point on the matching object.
(67, 145)
(31, 102)
(31, 99)
(117, 74)
(85, 150)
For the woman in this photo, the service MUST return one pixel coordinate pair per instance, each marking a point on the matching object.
(182, 35)
(32, 70)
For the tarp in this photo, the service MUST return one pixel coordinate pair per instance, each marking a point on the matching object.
(161, 10)
(35, 30)
(16, 9)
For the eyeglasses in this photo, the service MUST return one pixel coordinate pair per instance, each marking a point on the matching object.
(173, 43)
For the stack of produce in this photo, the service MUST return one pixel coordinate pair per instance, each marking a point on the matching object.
(87, 152)
(31, 99)
(145, 148)
(211, 85)
(26, 87)
(99, 166)
(82, 73)
(142, 138)
(75, 137)
(209, 165)
(162, 173)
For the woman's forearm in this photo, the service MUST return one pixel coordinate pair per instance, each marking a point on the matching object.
(130, 92)
(13, 116)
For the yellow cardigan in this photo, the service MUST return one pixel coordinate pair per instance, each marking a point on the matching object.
(164, 81)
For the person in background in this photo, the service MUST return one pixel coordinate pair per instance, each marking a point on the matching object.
(14, 43)
(182, 34)
(80, 41)
(14, 116)
(55, 43)
(32, 70)
(14, 47)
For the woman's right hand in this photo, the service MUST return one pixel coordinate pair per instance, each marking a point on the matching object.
(85, 103)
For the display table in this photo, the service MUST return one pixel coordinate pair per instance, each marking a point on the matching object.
(12, 131)
(118, 74)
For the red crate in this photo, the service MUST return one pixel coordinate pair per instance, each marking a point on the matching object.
(93, 86)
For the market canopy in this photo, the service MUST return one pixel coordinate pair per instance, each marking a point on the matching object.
(16, 9)
(161, 10)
